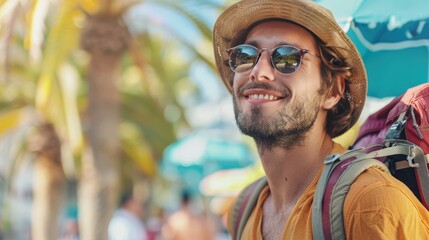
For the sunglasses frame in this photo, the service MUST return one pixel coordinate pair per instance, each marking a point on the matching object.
(301, 52)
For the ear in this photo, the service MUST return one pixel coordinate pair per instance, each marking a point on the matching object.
(335, 93)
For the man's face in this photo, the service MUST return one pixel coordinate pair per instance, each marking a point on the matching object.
(273, 108)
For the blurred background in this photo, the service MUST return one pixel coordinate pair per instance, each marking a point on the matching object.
(100, 98)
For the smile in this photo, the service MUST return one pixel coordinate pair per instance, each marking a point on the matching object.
(263, 96)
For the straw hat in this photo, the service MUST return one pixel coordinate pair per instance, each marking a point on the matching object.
(242, 15)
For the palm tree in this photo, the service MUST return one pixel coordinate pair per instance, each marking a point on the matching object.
(106, 37)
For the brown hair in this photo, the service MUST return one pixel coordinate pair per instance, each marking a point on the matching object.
(338, 119)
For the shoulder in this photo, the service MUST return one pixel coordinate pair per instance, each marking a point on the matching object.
(243, 203)
(377, 186)
(379, 203)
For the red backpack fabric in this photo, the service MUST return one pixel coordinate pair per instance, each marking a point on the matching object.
(415, 104)
(405, 117)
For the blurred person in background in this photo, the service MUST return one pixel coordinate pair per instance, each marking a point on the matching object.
(71, 231)
(154, 223)
(186, 224)
(127, 223)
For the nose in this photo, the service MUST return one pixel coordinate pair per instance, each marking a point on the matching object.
(263, 69)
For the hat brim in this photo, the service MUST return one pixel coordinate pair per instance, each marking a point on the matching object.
(242, 15)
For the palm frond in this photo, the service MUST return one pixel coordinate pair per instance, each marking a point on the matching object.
(9, 12)
(143, 113)
(18, 123)
(36, 22)
(11, 119)
(156, 56)
(62, 38)
(69, 79)
(137, 150)
(90, 6)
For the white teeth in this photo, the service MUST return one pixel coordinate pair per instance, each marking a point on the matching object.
(261, 96)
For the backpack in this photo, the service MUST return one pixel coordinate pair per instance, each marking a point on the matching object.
(406, 117)
(395, 139)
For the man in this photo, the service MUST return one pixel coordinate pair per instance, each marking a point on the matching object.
(297, 82)
(126, 223)
(186, 224)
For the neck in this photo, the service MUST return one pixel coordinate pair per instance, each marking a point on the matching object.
(289, 171)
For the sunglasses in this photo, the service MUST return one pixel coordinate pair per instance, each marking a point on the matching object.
(285, 58)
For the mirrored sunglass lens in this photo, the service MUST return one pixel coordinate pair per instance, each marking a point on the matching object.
(286, 59)
(242, 58)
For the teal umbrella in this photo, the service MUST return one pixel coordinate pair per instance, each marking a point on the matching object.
(392, 37)
(200, 154)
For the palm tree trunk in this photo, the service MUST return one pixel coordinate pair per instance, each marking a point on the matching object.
(105, 38)
(49, 182)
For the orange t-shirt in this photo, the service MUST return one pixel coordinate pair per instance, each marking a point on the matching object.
(377, 207)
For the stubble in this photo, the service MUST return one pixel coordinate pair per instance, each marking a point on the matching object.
(286, 128)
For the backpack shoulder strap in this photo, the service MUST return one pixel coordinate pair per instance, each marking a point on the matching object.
(244, 205)
(420, 165)
(339, 173)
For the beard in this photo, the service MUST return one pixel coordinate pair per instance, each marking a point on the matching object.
(286, 128)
